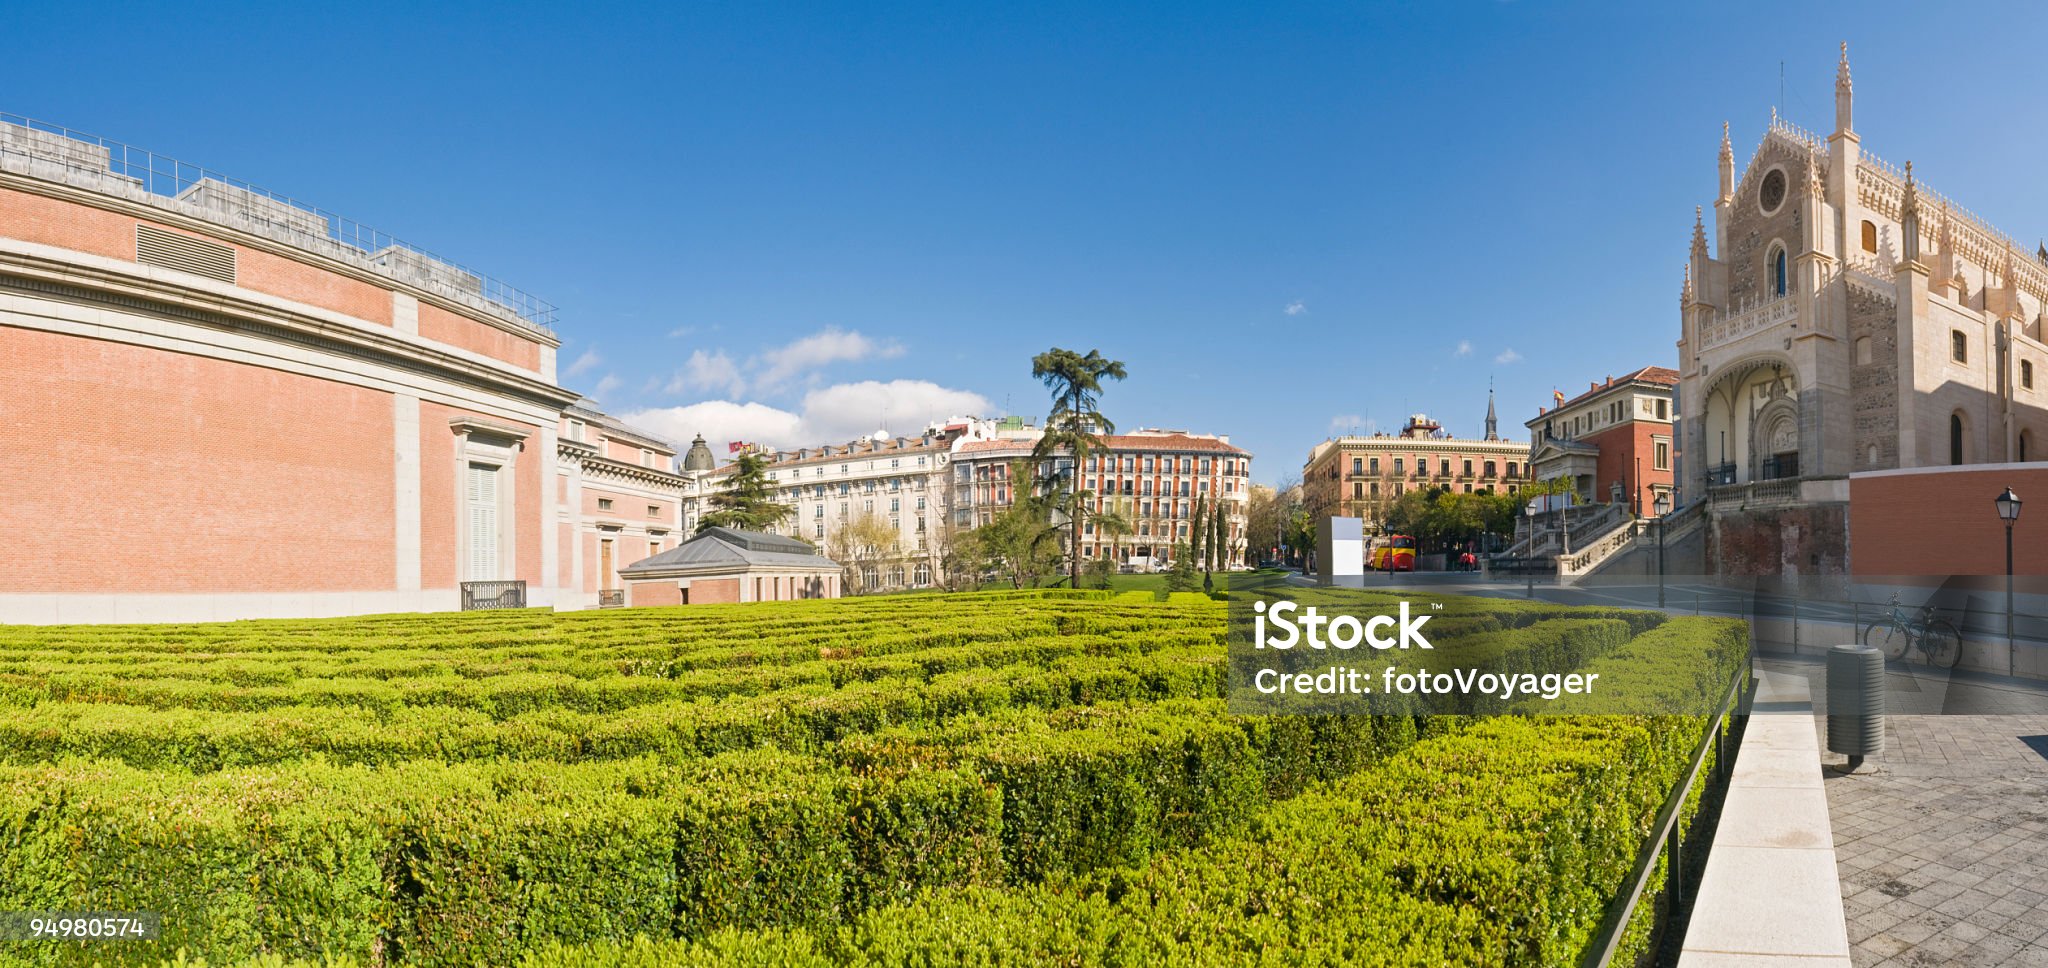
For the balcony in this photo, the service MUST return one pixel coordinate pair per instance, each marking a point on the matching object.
(479, 595)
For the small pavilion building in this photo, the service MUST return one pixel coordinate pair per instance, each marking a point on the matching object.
(730, 565)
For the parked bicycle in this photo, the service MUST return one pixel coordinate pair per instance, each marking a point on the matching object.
(1935, 638)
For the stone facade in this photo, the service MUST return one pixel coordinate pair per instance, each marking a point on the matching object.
(1848, 319)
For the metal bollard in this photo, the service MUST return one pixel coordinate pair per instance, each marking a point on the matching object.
(1855, 702)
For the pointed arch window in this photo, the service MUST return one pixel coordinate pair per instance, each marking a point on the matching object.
(1779, 276)
(1955, 438)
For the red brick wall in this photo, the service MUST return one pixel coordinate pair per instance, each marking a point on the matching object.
(84, 228)
(1620, 446)
(1793, 541)
(34, 218)
(565, 556)
(297, 281)
(713, 591)
(665, 592)
(124, 468)
(438, 565)
(442, 326)
(1941, 521)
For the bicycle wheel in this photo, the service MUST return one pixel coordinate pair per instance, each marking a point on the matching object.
(1943, 644)
(1884, 639)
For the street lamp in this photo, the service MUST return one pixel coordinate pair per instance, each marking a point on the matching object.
(1527, 571)
(1663, 506)
(2009, 512)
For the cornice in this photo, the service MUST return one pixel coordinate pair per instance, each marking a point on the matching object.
(36, 275)
(191, 223)
(606, 466)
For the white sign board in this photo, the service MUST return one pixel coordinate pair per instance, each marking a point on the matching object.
(1340, 552)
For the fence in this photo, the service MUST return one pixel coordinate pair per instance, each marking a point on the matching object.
(1667, 835)
(57, 153)
(493, 594)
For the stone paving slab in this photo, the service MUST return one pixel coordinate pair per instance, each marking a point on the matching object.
(1941, 843)
(1771, 893)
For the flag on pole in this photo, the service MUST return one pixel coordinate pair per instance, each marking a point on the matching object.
(735, 446)
(1559, 394)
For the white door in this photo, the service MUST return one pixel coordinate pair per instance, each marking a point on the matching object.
(483, 522)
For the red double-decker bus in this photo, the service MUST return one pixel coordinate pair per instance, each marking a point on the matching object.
(1394, 553)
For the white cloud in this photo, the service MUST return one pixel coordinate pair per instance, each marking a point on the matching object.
(585, 363)
(681, 331)
(708, 374)
(605, 386)
(1464, 348)
(1508, 356)
(1296, 308)
(829, 415)
(1352, 423)
(829, 345)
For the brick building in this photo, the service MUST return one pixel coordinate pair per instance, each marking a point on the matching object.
(619, 501)
(222, 403)
(1361, 476)
(1613, 442)
(1150, 478)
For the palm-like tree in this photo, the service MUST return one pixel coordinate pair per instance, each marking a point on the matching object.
(1075, 425)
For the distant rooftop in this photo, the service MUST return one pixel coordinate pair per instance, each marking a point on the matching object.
(55, 153)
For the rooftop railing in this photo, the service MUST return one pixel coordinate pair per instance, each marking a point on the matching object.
(56, 153)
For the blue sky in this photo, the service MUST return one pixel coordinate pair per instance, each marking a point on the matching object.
(792, 222)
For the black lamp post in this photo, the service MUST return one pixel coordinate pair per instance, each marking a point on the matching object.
(1528, 569)
(2009, 512)
(1662, 506)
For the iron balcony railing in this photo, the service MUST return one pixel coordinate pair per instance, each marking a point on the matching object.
(1720, 474)
(477, 595)
(56, 153)
(1779, 468)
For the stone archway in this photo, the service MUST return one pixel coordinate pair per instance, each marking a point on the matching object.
(1774, 441)
(1749, 428)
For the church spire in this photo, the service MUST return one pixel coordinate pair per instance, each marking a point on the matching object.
(1492, 423)
(1685, 290)
(1727, 164)
(1909, 219)
(1699, 234)
(1842, 93)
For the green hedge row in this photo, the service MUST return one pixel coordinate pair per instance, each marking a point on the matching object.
(807, 717)
(1499, 845)
(425, 864)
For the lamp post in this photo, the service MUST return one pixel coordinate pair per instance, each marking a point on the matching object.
(2008, 505)
(1527, 571)
(1663, 506)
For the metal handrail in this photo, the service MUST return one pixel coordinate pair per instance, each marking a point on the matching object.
(1667, 833)
(136, 172)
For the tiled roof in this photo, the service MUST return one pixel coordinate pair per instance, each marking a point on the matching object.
(715, 548)
(1660, 375)
(1172, 442)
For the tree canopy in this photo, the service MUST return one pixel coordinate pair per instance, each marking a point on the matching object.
(747, 501)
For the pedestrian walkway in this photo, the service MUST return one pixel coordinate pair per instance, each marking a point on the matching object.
(1942, 850)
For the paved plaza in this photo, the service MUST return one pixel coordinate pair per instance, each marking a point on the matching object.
(1942, 848)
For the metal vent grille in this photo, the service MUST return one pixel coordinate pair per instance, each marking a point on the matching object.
(170, 250)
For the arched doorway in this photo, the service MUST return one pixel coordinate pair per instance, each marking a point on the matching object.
(1750, 424)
